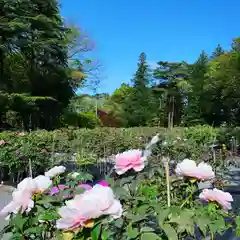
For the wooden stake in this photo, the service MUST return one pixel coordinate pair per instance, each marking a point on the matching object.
(166, 165)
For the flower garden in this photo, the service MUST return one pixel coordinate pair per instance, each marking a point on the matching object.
(143, 196)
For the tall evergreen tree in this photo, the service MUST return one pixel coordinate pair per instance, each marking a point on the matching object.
(137, 107)
(194, 110)
(217, 52)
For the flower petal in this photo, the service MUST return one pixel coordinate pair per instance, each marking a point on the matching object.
(115, 210)
(43, 182)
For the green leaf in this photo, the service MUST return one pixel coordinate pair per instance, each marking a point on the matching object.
(47, 200)
(105, 235)
(131, 233)
(118, 223)
(19, 221)
(237, 220)
(150, 236)
(238, 232)
(163, 214)
(109, 180)
(217, 226)
(122, 193)
(35, 230)
(126, 180)
(138, 218)
(96, 232)
(48, 216)
(142, 209)
(169, 231)
(16, 236)
(147, 229)
(202, 223)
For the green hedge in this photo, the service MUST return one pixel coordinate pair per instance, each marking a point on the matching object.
(81, 120)
(40, 146)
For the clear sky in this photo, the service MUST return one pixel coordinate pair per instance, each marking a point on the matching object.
(171, 30)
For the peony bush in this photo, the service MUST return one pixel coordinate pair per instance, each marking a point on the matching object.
(139, 199)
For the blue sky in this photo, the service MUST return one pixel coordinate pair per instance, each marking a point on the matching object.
(171, 30)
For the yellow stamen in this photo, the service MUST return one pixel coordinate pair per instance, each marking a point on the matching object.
(67, 235)
(89, 224)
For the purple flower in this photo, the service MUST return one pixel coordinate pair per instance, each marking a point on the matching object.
(54, 191)
(103, 183)
(61, 187)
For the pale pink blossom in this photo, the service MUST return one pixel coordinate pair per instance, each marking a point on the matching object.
(188, 168)
(21, 134)
(91, 204)
(85, 186)
(131, 159)
(2, 142)
(21, 201)
(88, 186)
(205, 171)
(22, 196)
(216, 195)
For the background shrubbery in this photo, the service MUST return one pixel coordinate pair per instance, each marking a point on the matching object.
(85, 146)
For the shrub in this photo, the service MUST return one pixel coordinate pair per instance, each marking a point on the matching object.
(82, 120)
(89, 120)
(138, 200)
(92, 144)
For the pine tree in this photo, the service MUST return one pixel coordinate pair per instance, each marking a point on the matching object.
(194, 111)
(217, 52)
(137, 107)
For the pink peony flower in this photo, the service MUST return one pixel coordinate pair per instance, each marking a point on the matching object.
(2, 142)
(89, 205)
(188, 168)
(131, 159)
(223, 198)
(22, 196)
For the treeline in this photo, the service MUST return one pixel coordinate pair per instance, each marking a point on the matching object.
(181, 94)
(39, 63)
(40, 71)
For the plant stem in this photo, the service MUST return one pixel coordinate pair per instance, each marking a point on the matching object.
(168, 183)
(30, 168)
(186, 200)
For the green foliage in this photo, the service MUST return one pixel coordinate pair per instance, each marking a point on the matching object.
(144, 198)
(89, 120)
(92, 144)
(36, 67)
(138, 105)
(83, 120)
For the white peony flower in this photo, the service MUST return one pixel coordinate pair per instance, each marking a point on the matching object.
(189, 168)
(55, 171)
